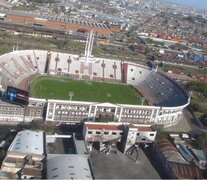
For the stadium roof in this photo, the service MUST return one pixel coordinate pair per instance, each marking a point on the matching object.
(70, 166)
(28, 141)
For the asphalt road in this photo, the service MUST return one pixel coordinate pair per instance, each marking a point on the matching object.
(187, 124)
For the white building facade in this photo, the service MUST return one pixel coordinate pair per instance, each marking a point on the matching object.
(109, 134)
(76, 111)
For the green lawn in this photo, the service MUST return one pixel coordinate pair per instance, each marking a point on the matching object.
(58, 88)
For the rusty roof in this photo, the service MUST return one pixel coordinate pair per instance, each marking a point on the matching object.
(116, 127)
(170, 151)
(104, 126)
(186, 171)
(144, 128)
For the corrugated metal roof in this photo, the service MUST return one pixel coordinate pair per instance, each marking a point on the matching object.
(61, 166)
(28, 141)
(170, 152)
(185, 152)
(186, 171)
(56, 18)
(200, 154)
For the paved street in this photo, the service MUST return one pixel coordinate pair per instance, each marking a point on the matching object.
(187, 124)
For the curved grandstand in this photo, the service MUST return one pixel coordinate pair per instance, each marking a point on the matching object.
(165, 98)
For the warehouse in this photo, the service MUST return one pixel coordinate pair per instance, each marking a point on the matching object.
(25, 18)
(62, 166)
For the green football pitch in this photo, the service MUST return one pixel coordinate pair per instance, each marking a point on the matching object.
(48, 87)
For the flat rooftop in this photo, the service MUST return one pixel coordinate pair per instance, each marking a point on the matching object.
(28, 141)
(119, 166)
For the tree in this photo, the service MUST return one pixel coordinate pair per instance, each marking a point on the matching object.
(196, 107)
(160, 133)
(201, 142)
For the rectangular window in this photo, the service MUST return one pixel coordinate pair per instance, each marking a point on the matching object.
(38, 113)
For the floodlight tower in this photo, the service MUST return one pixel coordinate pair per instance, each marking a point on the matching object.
(142, 101)
(89, 45)
(71, 94)
(15, 47)
(189, 96)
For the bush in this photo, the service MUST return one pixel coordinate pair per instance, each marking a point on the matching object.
(201, 142)
(196, 107)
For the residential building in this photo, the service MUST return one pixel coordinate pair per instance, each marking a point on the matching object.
(26, 155)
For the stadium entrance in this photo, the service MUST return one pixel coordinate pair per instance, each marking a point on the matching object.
(105, 117)
(105, 114)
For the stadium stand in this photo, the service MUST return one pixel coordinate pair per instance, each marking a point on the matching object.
(40, 58)
(19, 65)
(98, 70)
(165, 98)
(164, 92)
(136, 73)
(159, 90)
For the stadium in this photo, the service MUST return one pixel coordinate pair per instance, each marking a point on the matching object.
(128, 92)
